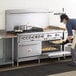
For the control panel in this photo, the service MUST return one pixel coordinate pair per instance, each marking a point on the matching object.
(40, 36)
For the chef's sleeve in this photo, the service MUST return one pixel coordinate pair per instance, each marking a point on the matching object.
(69, 29)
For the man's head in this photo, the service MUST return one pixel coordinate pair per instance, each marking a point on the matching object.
(64, 18)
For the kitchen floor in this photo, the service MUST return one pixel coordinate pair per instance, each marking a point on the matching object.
(71, 73)
(33, 63)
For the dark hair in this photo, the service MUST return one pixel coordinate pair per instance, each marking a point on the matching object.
(63, 16)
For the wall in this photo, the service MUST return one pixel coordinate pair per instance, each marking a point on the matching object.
(54, 5)
(70, 8)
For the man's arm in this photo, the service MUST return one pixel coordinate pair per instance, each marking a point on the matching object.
(70, 33)
(69, 29)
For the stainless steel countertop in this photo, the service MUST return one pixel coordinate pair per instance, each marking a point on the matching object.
(4, 34)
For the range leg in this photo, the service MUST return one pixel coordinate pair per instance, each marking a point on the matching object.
(58, 58)
(17, 64)
(12, 52)
(39, 59)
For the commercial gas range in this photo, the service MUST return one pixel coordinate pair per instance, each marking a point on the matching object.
(33, 45)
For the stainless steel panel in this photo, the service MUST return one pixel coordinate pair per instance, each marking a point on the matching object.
(27, 49)
(26, 17)
(1, 48)
(67, 47)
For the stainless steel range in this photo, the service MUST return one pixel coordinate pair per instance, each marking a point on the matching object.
(32, 45)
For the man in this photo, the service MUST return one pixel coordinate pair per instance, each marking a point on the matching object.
(70, 25)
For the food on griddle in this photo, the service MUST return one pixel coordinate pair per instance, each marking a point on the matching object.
(62, 41)
(57, 41)
(52, 27)
(49, 48)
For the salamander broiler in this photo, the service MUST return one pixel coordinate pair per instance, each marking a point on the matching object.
(38, 45)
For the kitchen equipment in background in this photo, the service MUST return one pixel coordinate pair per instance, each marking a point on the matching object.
(33, 45)
(33, 17)
(26, 29)
(22, 28)
(19, 28)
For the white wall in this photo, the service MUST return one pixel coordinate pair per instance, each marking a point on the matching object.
(54, 5)
(70, 8)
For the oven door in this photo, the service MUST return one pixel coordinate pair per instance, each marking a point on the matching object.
(30, 48)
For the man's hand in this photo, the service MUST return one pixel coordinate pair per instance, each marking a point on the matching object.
(69, 38)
